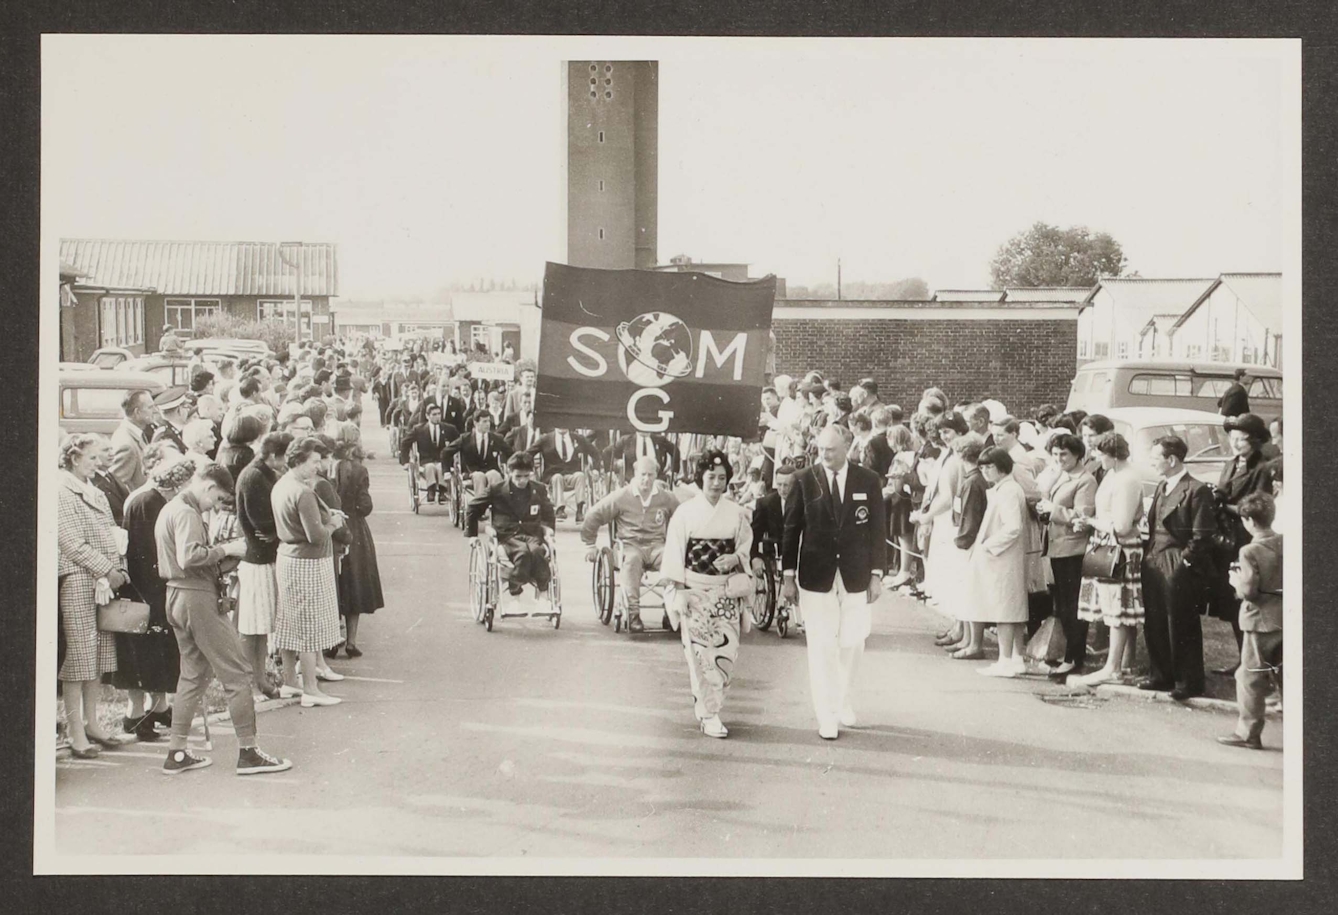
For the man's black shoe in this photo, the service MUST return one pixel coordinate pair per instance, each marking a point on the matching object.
(634, 624)
(1154, 686)
(515, 590)
(1180, 695)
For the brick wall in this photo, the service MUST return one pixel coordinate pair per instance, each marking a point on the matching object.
(1021, 363)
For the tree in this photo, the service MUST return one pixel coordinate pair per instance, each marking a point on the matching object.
(1047, 255)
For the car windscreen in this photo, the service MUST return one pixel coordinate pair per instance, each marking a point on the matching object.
(1206, 441)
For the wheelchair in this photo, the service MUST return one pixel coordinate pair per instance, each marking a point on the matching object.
(450, 498)
(593, 484)
(767, 605)
(486, 558)
(608, 592)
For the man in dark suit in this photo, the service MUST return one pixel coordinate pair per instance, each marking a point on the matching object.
(769, 518)
(836, 537)
(878, 454)
(516, 419)
(561, 451)
(524, 519)
(523, 432)
(646, 444)
(1235, 400)
(434, 439)
(1177, 571)
(483, 453)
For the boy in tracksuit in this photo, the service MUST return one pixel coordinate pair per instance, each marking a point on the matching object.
(1257, 579)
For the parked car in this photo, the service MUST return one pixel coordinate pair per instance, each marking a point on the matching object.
(91, 401)
(234, 347)
(109, 357)
(172, 368)
(1100, 386)
(1209, 448)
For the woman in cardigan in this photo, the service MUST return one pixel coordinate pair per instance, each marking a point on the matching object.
(149, 665)
(1117, 601)
(258, 585)
(89, 565)
(1069, 493)
(237, 452)
(308, 616)
(359, 576)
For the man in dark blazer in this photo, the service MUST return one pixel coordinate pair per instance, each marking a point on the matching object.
(836, 538)
(561, 451)
(434, 439)
(878, 454)
(523, 433)
(631, 447)
(483, 453)
(523, 518)
(1177, 572)
(1235, 400)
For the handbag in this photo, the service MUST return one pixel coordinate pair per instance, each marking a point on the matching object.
(122, 615)
(1048, 644)
(740, 585)
(1102, 561)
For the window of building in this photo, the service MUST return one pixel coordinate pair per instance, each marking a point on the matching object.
(1193, 351)
(1122, 350)
(1100, 350)
(122, 320)
(182, 313)
(1082, 349)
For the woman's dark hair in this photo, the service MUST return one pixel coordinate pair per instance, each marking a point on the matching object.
(275, 443)
(1113, 444)
(997, 458)
(1064, 422)
(348, 450)
(711, 459)
(1076, 417)
(1069, 442)
(300, 448)
(1097, 423)
(950, 420)
(1046, 413)
(861, 421)
(246, 428)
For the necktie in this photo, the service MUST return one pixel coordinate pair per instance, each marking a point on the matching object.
(434, 435)
(483, 446)
(564, 449)
(836, 496)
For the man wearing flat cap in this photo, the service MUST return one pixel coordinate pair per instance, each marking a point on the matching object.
(174, 406)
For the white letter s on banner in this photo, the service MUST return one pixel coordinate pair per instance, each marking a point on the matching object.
(601, 364)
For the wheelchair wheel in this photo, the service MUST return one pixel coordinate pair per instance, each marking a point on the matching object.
(457, 501)
(413, 489)
(603, 585)
(783, 623)
(478, 582)
(764, 597)
(487, 619)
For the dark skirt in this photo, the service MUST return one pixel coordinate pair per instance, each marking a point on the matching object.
(899, 518)
(359, 575)
(150, 662)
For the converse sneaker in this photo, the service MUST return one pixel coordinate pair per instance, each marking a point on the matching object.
(183, 761)
(253, 760)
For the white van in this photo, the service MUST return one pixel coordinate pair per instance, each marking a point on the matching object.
(1099, 386)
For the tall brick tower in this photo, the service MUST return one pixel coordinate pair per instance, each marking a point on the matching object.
(611, 129)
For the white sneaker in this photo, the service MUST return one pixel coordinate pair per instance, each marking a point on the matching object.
(310, 701)
(713, 727)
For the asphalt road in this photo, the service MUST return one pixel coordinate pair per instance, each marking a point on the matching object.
(525, 741)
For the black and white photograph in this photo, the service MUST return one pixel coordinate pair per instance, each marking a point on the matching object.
(591, 455)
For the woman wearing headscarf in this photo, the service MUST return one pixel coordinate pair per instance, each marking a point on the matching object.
(90, 568)
(708, 540)
(359, 575)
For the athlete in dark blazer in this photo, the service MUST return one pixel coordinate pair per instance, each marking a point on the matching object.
(819, 539)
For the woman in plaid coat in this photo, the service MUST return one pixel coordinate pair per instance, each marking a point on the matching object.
(88, 553)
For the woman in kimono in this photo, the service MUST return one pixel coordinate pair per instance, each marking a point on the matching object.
(995, 588)
(708, 540)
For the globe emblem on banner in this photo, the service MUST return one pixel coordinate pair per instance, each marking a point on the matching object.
(660, 346)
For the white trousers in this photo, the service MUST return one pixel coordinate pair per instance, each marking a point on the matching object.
(836, 623)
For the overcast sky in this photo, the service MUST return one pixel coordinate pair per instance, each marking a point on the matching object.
(436, 159)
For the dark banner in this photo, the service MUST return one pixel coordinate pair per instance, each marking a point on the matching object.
(650, 351)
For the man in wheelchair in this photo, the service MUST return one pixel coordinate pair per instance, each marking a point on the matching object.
(521, 512)
(642, 510)
(432, 438)
(482, 453)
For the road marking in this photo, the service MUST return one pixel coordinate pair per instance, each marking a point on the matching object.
(414, 626)
(370, 679)
(84, 764)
